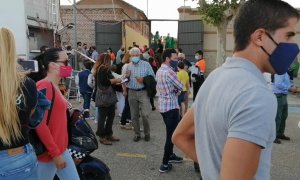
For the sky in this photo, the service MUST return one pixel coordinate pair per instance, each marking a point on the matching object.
(167, 9)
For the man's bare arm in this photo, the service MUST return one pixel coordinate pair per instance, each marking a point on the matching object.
(184, 135)
(240, 160)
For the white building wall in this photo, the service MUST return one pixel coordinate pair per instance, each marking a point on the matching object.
(12, 13)
(44, 11)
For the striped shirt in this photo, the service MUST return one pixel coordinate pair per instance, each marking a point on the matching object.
(167, 86)
(141, 69)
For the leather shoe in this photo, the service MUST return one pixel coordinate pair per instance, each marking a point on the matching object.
(283, 137)
(105, 141)
(111, 138)
(147, 138)
(136, 138)
(277, 141)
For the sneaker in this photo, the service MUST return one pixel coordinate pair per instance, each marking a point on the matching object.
(175, 159)
(277, 141)
(127, 122)
(90, 118)
(165, 168)
(126, 127)
(283, 137)
(86, 114)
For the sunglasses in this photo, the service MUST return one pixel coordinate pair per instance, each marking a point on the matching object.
(66, 62)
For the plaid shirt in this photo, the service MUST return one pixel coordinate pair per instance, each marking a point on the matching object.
(141, 69)
(167, 86)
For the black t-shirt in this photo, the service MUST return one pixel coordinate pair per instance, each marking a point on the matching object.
(25, 103)
(103, 77)
(160, 48)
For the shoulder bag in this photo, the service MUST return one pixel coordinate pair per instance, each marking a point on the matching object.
(34, 140)
(105, 96)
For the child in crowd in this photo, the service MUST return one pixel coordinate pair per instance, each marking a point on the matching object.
(85, 81)
(184, 78)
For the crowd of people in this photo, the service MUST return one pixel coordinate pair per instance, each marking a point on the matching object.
(245, 120)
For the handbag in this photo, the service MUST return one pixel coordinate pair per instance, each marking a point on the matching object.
(105, 97)
(34, 140)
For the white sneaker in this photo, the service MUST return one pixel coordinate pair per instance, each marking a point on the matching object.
(90, 118)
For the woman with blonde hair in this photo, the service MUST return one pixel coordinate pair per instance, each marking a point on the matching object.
(104, 79)
(18, 98)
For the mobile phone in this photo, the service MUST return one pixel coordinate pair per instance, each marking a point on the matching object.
(29, 65)
(124, 80)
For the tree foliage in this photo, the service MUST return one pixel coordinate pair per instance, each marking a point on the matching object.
(216, 11)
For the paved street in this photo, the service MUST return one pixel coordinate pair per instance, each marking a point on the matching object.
(130, 160)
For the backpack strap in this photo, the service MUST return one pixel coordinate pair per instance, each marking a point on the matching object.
(51, 106)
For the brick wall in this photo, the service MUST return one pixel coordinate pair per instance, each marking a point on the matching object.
(86, 23)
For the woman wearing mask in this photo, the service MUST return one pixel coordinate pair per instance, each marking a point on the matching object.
(17, 103)
(104, 78)
(54, 136)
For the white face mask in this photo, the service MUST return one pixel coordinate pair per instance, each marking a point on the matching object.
(197, 57)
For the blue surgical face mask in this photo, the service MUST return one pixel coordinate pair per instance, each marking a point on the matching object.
(283, 55)
(173, 64)
(135, 59)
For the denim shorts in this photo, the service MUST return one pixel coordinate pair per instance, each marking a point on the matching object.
(181, 97)
(20, 165)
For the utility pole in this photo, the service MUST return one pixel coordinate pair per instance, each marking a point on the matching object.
(75, 32)
(147, 9)
(183, 9)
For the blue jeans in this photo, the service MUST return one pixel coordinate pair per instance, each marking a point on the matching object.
(20, 166)
(171, 119)
(86, 100)
(126, 112)
(48, 170)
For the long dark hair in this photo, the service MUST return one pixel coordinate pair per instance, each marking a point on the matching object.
(103, 62)
(51, 55)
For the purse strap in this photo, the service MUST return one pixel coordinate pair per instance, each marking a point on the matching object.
(51, 106)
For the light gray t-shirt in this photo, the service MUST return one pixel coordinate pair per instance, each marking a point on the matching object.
(234, 102)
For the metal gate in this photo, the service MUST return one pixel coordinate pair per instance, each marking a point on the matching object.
(108, 34)
(190, 37)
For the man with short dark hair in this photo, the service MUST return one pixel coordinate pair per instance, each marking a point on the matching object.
(94, 53)
(230, 128)
(168, 87)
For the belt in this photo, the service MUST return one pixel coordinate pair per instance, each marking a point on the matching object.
(280, 94)
(141, 89)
